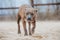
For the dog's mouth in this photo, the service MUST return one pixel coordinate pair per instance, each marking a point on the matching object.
(29, 20)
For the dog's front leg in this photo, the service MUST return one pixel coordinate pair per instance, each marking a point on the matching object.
(34, 25)
(24, 26)
(29, 28)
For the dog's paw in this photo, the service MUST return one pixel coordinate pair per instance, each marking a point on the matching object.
(25, 34)
(30, 34)
(19, 32)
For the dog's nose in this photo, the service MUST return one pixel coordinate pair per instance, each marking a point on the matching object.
(29, 19)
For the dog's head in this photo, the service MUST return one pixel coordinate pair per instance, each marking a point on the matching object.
(30, 14)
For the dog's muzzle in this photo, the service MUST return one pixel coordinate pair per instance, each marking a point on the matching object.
(29, 17)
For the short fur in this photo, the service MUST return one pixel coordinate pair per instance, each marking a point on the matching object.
(21, 16)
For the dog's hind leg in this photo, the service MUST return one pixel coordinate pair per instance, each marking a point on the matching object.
(18, 20)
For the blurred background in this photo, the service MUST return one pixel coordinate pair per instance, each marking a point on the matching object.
(47, 25)
(47, 9)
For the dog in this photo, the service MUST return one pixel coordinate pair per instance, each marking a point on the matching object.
(28, 14)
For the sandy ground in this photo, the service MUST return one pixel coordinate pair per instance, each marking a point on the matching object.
(45, 30)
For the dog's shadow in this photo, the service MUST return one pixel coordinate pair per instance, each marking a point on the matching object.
(37, 36)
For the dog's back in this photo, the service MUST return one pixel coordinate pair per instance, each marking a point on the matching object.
(22, 10)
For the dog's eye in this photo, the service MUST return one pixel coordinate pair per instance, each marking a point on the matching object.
(31, 14)
(26, 13)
